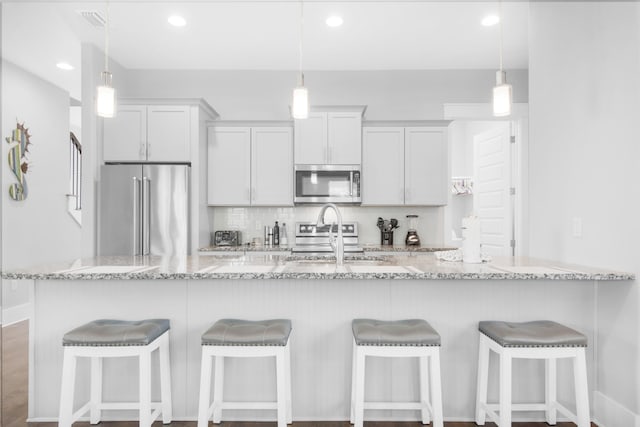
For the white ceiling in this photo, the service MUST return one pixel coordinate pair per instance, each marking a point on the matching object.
(264, 35)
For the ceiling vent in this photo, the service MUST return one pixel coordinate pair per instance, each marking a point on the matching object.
(93, 17)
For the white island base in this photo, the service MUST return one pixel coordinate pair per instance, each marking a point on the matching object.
(321, 312)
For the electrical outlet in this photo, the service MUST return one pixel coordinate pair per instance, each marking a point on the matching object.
(577, 227)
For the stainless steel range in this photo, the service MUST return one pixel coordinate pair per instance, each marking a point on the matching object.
(313, 239)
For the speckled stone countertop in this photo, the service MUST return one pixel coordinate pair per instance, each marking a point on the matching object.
(277, 266)
(366, 247)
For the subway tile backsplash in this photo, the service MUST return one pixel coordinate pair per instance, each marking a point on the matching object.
(251, 220)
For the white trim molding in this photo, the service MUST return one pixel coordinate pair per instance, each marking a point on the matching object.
(15, 314)
(610, 413)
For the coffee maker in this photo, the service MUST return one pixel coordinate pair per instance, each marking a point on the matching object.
(386, 230)
(412, 238)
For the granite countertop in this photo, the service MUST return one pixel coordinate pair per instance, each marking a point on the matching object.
(366, 247)
(277, 266)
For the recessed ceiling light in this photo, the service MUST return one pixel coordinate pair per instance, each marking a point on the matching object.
(177, 21)
(334, 21)
(65, 66)
(490, 20)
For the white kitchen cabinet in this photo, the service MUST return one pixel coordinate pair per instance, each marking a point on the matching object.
(153, 133)
(329, 138)
(271, 166)
(250, 166)
(383, 166)
(425, 166)
(404, 166)
(229, 166)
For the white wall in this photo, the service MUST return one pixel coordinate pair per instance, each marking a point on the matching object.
(266, 95)
(584, 154)
(39, 229)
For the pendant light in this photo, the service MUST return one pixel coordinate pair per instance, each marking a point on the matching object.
(300, 103)
(106, 94)
(502, 92)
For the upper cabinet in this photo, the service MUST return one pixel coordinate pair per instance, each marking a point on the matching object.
(329, 137)
(250, 166)
(148, 133)
(404, 166)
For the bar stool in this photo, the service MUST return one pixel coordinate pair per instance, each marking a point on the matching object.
(542, 339)
(116, 338)
(401, 338)
(244, 338)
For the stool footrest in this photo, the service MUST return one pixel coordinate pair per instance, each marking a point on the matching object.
(520, 406)
(396, 405)
(108, 406)
(248, 405)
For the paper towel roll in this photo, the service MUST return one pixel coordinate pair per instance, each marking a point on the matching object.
(471, 240)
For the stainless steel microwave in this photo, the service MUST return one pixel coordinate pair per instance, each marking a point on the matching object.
(327, 183)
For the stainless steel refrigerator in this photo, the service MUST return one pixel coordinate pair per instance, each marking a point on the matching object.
(144, 209)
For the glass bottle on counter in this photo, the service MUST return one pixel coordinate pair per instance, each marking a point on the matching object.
(276, 235)
(284, 241)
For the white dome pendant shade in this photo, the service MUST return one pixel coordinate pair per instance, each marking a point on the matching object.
(106, 97)
(502, 95)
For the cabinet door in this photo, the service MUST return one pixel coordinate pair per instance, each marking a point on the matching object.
(168, 136)
(425, 166)
(125, 135)
(229, 166)
(271, 166)
(345, 138)
(383, 166)
(311, 139)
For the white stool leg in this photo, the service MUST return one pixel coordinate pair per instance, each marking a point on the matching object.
(359, 396)
(581, 388)
(423, 375)
(436, 388)
(205, 387)
(550, 390)
(218, 387)
(287, 373)
(505, 389)
(145, 388)
(352, 409)
(483, 376)
(281, 392)
(96, 390)
(165, 379)
(67, 388)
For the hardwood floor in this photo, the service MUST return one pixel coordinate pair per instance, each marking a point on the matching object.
(14, 348)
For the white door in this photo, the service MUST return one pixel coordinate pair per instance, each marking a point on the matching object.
(383, 166)
(311, 139)
(271, 166)
(229, 166)
(491, 192)
(125, 135)
(426, 166)
(168, 136)
(344, 138)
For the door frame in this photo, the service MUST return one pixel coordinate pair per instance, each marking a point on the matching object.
(519, 164)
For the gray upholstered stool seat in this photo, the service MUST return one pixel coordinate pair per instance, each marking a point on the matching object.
(410, 332)
(247, 332)
(107, 332)
(539, 333)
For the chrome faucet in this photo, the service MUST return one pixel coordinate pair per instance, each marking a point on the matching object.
(337, 243)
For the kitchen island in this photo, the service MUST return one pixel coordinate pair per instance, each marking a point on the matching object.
(195, 291)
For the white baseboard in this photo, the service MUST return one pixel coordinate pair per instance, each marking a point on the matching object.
(610, 413)
(11, 315)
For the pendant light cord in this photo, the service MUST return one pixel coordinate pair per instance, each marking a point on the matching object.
(300, 41)
(500, 22)
(106, 41)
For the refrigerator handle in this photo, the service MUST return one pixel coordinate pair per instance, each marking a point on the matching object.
(146, 216)
(136, 216)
